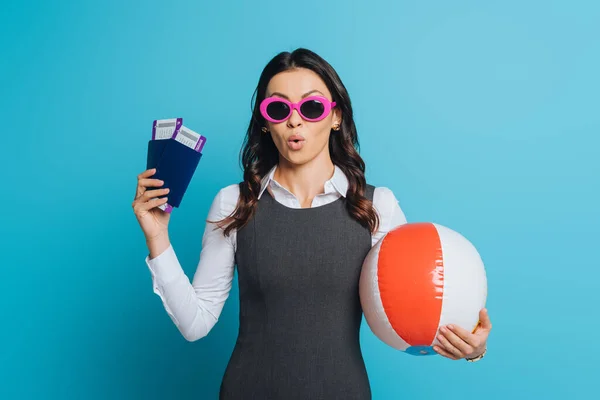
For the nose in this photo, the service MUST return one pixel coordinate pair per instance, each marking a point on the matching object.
(294, 120)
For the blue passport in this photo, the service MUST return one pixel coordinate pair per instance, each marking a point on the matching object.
(175, 164)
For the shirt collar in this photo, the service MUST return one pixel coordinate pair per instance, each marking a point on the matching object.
(338, 182)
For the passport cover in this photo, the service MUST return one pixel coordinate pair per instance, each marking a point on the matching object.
(175, 164)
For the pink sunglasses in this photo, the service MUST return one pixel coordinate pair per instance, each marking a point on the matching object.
(313, 108)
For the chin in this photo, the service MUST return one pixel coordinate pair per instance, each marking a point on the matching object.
(298, 158)
(303, 156)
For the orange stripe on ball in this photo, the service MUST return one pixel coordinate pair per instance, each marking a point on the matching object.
(411, 281)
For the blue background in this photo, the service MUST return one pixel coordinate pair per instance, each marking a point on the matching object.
(482, 116)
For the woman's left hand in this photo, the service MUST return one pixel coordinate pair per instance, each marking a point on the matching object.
(457, 343)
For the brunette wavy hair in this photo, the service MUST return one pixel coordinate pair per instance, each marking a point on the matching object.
(259, 154)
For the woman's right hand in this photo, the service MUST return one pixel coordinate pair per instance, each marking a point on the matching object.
(153, 221)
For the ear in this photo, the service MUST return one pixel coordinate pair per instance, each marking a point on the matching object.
(337, 117)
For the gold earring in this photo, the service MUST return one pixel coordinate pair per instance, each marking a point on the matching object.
(336, 127)
(264, 129)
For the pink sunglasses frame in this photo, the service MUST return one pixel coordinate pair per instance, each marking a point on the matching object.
(328, 105)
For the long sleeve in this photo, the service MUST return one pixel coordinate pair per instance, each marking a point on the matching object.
(390, 214)
(195, 306)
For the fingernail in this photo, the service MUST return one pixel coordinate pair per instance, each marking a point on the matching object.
(450, 326)
(443, 329)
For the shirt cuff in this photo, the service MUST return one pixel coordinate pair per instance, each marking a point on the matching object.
(165, 267)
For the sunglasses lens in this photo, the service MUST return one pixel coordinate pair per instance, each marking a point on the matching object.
(278, 110)
(312, 109)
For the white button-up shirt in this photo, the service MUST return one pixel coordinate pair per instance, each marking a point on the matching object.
(195, 306)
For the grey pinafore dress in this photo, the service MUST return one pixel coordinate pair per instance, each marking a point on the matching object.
(300, 312)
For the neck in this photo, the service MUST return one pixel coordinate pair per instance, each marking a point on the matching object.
(307, 180)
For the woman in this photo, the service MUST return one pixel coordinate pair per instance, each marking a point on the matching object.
(298, 229)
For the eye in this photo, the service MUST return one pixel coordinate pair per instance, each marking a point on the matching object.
(278, 110)
(312, 108)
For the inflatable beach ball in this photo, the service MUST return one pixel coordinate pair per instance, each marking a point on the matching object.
(417, 278)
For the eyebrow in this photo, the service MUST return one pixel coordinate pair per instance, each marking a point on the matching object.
(303, 96)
